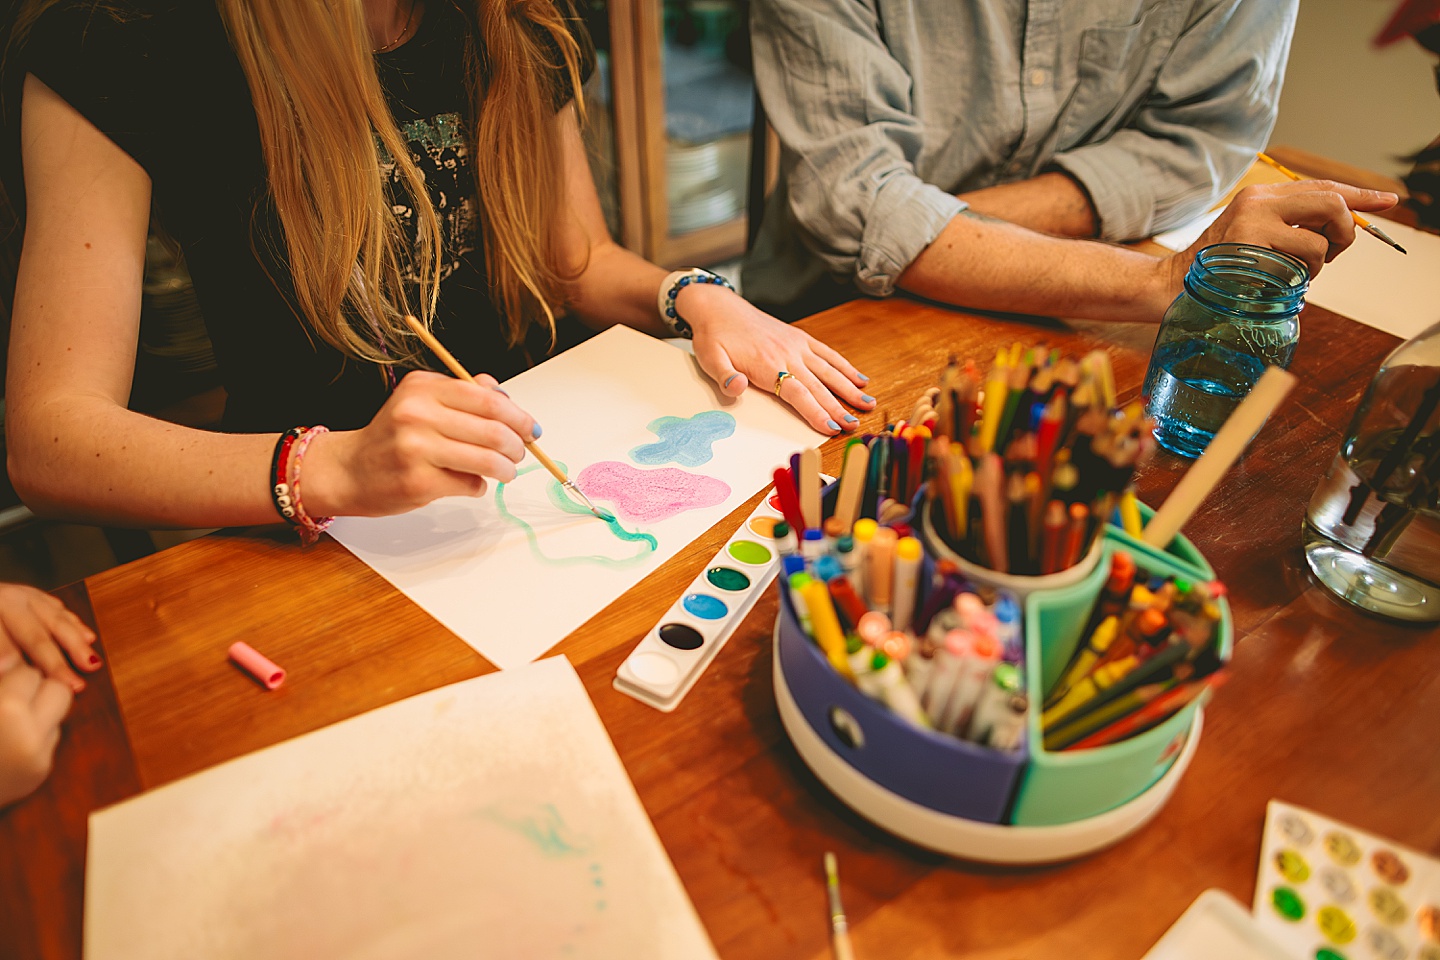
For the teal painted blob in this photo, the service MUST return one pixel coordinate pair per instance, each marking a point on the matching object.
(562, 502)
(705, 606)
(727, 578)
(686, 441)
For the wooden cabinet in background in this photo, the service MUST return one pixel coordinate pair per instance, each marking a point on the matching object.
(670, 111)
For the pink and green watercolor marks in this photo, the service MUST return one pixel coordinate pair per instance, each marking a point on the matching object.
(648, 496)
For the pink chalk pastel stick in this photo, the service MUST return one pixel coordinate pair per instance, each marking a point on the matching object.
(256, 664)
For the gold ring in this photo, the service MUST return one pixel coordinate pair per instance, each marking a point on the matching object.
(780, 379)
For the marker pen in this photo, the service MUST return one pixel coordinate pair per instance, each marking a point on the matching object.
(873, 627)
(880, 574)
(845, 551)
(908, 554)
(896, 692)
(863, 532)
(920, 667)
(847, 601)
(1010, 730)
(1004, 683)
(946, 669)
(976, 665)
(812, 545)
(827, 568)
(785, 542)
(859, 654)
(833, 528)
(1007, 627)
(827, 626)
(797, 582)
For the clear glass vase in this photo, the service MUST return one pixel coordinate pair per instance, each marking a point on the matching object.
(1372, 531)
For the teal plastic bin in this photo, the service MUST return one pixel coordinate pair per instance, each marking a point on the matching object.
(1065, 786)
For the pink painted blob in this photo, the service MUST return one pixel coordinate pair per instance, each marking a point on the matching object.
(645, 496)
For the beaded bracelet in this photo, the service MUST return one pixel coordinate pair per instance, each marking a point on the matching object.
(280, 494)
(671, 288)
(310, 527)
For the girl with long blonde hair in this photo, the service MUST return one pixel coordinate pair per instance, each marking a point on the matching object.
(327, 167)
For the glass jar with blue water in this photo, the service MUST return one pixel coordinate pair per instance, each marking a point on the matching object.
(1238, 314)
(1372, 531)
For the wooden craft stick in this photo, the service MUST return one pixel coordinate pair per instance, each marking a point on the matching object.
(1219, 456)
(809, 484)
(852, 484)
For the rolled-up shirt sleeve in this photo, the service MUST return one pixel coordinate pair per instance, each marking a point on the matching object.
(1211, 108)
(841, 106)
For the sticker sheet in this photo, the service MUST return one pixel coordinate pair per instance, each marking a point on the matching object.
(1328, 891)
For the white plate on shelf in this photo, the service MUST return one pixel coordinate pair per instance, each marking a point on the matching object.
(968, 839)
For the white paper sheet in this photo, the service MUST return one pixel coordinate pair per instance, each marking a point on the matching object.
(491, 818)
(1380, 287)
(514, 583)
(1370, 283)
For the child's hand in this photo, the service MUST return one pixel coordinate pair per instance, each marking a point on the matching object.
(31, 708)
(35, 626)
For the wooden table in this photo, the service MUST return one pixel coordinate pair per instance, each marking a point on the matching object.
(1327, 708)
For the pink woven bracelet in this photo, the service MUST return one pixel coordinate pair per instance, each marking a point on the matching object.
(310, 528)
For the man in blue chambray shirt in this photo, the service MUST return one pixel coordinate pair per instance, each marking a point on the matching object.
(963, 150)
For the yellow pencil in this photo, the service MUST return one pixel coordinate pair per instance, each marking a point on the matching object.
(1360, 221)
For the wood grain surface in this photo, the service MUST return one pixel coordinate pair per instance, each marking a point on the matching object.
(1327, 708)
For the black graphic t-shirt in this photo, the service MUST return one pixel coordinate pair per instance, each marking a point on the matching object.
(165, 86)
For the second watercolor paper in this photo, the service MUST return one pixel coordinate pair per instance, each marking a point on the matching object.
(644, 432)
(491, 818)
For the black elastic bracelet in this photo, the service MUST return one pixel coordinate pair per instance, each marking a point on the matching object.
(279, 488)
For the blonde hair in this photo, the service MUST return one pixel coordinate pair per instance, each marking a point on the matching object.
(321, 112)
(323, 121)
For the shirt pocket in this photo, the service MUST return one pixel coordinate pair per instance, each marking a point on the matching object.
(1117, 68)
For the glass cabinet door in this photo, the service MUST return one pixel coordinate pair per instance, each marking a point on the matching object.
(697, 96)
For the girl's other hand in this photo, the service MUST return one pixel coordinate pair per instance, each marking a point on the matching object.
(435, 437)
(738, 346)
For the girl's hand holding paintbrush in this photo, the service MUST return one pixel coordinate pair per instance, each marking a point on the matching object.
(437, 436)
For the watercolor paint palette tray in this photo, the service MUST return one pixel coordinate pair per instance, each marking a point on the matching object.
(666, 663)
(1328, 891)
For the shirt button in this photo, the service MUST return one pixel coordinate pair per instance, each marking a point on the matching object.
(1037, 77)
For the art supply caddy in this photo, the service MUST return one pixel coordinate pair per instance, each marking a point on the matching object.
(974, 776)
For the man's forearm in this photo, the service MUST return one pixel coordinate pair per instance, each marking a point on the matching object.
(988, 264)
(1052, 203)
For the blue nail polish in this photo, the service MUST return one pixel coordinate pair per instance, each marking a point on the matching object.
(535, 434)
(863, 378)
(729, 380)
(499, 391)
(867, 398)
(851, 418)
(832, 424)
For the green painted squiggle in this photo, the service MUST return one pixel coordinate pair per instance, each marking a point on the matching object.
(562, 502)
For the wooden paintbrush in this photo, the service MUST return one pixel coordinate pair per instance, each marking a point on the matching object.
(447, 358)
(1360, 221)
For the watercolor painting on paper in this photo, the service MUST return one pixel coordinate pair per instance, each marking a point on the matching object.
(516, 570)
(492, 812)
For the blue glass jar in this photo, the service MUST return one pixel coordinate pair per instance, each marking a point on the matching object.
(1238, 314)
